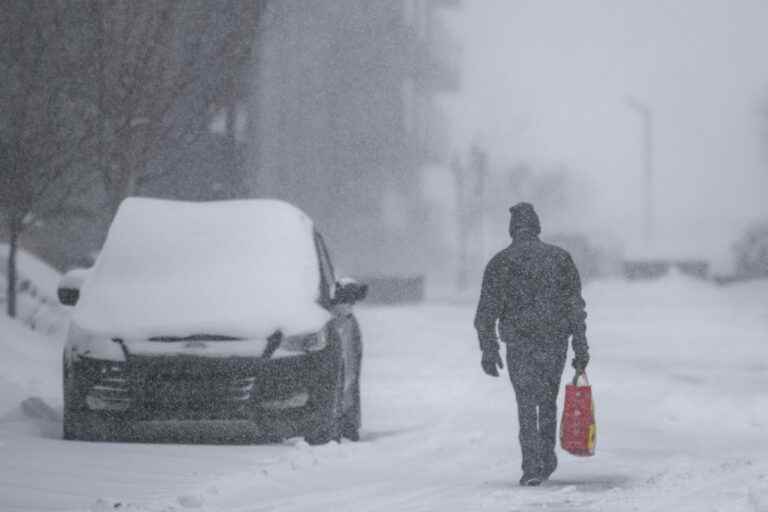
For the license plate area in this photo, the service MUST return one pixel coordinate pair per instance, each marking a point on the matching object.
(185, 383)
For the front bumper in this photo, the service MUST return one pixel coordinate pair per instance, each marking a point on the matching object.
(277, 394)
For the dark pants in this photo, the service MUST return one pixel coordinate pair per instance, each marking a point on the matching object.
(535, 373)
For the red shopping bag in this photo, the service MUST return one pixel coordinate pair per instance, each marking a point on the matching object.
(578, 430)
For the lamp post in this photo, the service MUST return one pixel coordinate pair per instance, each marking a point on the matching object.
(644, 111)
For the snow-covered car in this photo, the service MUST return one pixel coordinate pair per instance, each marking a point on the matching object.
(225, 310)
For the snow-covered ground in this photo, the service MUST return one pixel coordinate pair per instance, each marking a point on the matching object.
(679, 371)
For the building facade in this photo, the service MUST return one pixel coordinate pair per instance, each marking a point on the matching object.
(344, 119)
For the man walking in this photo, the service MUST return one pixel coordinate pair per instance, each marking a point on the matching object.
(532, 293)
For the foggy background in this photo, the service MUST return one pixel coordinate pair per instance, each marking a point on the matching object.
(405, 128)
(548, 81)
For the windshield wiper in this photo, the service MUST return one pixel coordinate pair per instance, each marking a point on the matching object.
(195, 337)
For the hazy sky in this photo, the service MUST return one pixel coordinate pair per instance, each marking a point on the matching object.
(546, 81)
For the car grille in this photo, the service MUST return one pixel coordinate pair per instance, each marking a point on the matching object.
(203, 391)
(190, 383)
(181, 387)
(112, 390)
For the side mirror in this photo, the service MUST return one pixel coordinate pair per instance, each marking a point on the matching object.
(69, 286)
(349, 291)
(68, 296)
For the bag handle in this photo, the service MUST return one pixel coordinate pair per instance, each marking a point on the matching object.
(579, 377)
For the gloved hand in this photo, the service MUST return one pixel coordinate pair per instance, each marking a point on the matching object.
(580, 362)
(491, 362)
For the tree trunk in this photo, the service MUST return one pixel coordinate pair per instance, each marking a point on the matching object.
(15, 231)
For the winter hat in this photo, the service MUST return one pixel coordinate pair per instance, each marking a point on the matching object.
(523, 217)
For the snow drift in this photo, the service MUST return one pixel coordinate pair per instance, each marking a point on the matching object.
(37, 304)
(29, 366)
(234, 268)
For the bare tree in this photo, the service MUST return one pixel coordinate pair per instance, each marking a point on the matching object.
(163, 68)
(108, 85)
(46, 119)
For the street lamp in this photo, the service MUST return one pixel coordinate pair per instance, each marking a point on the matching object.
(644, 111)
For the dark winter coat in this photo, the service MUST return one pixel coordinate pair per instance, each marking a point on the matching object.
(532, 289)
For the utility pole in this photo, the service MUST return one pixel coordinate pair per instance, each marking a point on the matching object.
(644, 111)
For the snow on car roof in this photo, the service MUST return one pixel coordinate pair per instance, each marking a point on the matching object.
(240, 268)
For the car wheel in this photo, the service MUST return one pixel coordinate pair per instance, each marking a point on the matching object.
(328, 426)
(70, 430)
(352, 421)
(350, 425)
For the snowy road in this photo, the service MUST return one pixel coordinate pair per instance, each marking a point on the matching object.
(680, 375)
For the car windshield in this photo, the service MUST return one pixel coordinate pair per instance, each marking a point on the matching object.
(173, 269)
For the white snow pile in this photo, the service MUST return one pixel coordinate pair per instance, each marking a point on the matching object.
(44, 279)
(234, 268)
(29, 365)
(37, 304)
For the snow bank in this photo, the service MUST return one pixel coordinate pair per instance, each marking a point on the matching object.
(29, 365)
(235, 268)
(43, 277)
(37, 304)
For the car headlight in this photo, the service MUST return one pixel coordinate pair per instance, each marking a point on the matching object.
(312, 342)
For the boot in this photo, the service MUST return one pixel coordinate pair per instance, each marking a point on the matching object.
(549, 466)
(530, 480)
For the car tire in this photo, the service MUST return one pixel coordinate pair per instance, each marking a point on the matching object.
(70, 425)
(69, 431)
(350, 424)
(328, 425)
(352, 420)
